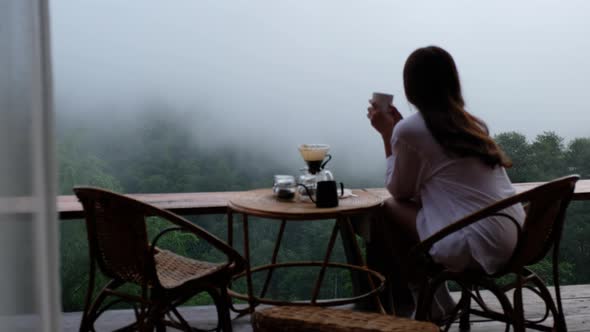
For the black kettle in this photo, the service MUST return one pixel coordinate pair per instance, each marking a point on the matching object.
(326, 193)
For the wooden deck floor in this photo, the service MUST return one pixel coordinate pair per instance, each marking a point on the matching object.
(576, 301)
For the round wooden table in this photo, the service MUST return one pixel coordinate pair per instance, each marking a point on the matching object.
(261, 203)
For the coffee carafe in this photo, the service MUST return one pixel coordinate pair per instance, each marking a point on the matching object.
(316, 156)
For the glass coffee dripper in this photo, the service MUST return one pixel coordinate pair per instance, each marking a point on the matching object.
(315, 156)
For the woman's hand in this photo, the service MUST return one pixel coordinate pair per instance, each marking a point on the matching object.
(384, 122)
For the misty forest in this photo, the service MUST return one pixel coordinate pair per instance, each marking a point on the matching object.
(158, 154)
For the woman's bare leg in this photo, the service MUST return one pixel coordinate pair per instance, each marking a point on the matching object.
(400, 217)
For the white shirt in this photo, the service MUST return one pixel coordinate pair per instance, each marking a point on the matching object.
(449, 189)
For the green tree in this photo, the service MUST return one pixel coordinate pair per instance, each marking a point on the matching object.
(575, 247)
(517, 148)
(578, 157)
(547, 157)
(77, 166)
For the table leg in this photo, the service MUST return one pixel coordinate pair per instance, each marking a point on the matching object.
(230, 241)
(358, 286)
(396, 297)
(375, 257)
(378, 261)
(248, 265)
(318, 284)
(230, 228)
(355, 251)
(273, 260)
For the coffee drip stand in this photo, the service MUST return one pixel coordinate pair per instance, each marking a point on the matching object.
(315, 156)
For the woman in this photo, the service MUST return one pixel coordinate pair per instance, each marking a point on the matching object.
(442, 165)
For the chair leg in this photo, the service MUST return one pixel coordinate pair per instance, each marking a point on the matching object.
(129, 328)
(545, 295)
(518, 306)
(226, 325)
(464, 324)
(154, 319)
(221, 300)
(89, 315)
(85, 325)
(423, 304)
(160, 326)
(560, 318)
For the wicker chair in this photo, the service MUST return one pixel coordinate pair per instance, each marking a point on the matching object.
(545, 208)
(118, 243)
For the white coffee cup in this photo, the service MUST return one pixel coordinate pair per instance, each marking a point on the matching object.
(382, 101)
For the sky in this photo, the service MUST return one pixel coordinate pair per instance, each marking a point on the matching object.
(281, 73)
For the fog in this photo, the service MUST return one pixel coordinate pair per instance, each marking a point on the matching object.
(273, 74)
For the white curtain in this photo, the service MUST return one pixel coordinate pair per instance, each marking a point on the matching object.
(29, 283)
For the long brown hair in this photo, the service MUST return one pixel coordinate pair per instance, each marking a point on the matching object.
(431, 83)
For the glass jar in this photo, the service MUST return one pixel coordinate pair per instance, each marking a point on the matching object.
(284, 187)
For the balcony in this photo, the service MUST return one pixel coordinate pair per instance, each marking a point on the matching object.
(575, 298)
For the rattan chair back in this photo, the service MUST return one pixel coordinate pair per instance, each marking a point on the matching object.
(545, 214)
(117, 235)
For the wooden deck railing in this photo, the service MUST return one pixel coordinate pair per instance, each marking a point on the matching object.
(216, 202)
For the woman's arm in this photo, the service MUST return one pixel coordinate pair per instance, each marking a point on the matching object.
(405, 166)
(406, 171)
(384, 122)
(387, 146)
